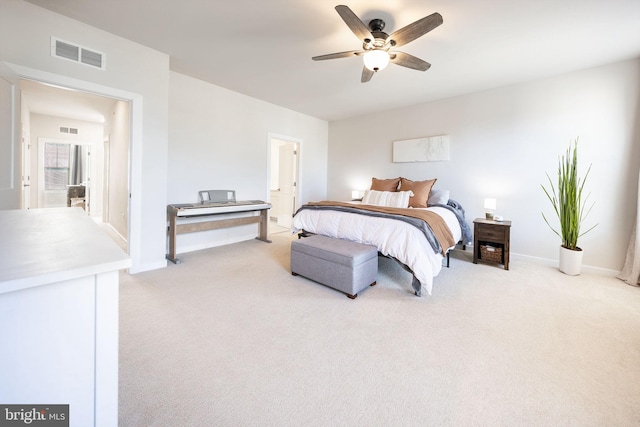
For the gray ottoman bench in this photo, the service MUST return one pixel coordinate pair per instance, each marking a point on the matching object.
(341, 264)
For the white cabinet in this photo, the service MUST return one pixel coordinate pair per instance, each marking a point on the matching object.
(59, 313)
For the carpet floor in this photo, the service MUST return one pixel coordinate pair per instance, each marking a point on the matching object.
(230, 338)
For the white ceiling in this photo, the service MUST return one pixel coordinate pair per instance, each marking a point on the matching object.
(61, 102)
(263, 48)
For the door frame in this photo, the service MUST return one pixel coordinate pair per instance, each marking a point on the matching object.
(134, 239)
(10, 125)
(271, 136)
(42, 140)
(26, 147)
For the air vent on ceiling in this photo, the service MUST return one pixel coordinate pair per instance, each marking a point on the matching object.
(73, 52)
(66, 129)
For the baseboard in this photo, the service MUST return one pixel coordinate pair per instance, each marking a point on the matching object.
(134, 269)
(119, 236)
(554, 263)
(212, 244)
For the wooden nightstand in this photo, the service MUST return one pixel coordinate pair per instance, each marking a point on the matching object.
(491, 241)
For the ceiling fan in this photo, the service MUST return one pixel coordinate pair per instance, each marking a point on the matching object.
(376, 44)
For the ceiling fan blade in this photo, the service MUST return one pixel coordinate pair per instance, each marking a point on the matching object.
(409, 61)
(338, 55)
(366, 75)
(417, 29)
(354, 23)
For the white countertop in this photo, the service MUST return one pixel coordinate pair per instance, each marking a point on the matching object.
(42, 246)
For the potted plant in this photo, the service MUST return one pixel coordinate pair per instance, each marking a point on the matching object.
(571, 209)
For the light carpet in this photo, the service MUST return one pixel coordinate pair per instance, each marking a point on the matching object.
(230, 338)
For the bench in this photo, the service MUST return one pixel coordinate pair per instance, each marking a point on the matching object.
(343, 265)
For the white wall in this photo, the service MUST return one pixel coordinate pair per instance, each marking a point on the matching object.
(503, 141)
(219, 140)
(117, 130)
(133, 72)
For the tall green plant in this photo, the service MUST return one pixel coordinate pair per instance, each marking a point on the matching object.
(567, 200)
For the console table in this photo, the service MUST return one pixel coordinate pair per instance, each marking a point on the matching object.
(212, 209)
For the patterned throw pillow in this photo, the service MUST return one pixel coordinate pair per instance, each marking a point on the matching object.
(392, 199)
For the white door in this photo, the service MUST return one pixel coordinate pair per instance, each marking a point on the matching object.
(288, 184)
(10, 150)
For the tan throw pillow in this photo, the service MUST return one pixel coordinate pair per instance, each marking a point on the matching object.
(385, 184)
(421, 190)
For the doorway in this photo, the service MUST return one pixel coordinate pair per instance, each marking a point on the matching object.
(72, 141)
(283, 181)
(64, 175)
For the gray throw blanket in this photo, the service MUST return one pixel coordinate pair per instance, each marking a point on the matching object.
(458, 210)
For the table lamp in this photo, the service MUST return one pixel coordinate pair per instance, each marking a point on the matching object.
(489, 207)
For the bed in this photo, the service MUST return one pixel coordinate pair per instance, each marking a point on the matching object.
(418, 233)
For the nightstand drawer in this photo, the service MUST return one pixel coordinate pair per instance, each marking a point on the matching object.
(491, 233)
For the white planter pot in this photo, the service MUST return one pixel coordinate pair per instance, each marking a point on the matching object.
(570, 261)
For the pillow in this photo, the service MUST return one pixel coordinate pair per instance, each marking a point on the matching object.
(438, 197)
(421, 190)
(385, 184)
(391, 199)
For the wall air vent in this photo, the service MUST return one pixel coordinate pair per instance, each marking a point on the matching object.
(65, 129)
(75, 53)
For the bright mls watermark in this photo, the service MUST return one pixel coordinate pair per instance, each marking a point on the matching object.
(34, 415)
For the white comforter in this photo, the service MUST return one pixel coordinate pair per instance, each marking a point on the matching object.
(394, 238)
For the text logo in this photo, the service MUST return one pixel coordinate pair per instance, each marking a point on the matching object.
(34, 415)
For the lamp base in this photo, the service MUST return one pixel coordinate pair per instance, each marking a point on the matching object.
(488, 215)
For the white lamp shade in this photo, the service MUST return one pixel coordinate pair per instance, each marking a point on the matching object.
(376, 60)
(490, 204)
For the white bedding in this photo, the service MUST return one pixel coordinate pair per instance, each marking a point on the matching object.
(394, 238)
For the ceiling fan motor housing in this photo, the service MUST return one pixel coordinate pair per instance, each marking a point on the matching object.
(376, 25)
(379, 37)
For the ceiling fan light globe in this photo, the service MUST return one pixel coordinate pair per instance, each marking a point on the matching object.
(376, 60)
